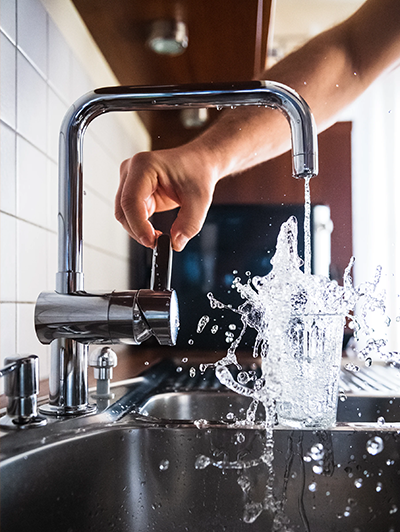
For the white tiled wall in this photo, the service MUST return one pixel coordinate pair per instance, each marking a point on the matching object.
(43, 71)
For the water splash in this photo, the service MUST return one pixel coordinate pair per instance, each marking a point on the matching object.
(294, 317)
(375, 445)
(164, 465)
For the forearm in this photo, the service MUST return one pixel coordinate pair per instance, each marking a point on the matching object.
(329, 72)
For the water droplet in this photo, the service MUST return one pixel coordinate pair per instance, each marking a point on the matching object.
(251, 511)
(380, 420)
(378, 487)
(184, 360)
(318, 469)
(342, 395)
(393, 509)
(244, 483)
(179, 369)
(200, 423)
(232, 327)
(312, 487)
(351, 367)
(214, 329)
(240, 437)
(202, 462)
(202, 323)
(192, 372)
(358, 482)
(389, 462)
(243, 377)
(164, 465)
(230, 416)
(368, 362)
(190, 341)
(375, 445)
(317, 451)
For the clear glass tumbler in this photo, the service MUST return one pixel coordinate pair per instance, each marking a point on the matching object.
(307, 370)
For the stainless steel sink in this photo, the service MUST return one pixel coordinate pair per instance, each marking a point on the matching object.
(141, 465)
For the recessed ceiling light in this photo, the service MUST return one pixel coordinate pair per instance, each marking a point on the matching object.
(168, 37)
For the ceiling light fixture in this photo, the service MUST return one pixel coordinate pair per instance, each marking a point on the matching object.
(194, 118)
(168, 37)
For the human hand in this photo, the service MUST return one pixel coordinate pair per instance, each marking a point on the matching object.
(162, 180)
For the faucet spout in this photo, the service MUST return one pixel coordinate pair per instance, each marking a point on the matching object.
(68, 377)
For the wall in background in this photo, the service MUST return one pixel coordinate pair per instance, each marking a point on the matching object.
(48, 60)
(376, 192)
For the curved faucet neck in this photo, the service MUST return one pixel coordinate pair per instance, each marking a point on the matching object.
(93, 104)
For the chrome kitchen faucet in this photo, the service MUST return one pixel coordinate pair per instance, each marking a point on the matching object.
(70, 318)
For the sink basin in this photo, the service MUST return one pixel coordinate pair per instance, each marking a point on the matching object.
(153, 468)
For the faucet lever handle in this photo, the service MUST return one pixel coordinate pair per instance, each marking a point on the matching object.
(161, 269)
(21, 388)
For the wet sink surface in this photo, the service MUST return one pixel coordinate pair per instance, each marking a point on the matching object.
(140, 473)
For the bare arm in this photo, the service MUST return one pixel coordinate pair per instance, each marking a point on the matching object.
(330, 71)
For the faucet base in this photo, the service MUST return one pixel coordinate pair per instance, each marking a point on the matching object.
(12, 422)
(65, 411)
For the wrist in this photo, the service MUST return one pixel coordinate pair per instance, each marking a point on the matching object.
(243, 138)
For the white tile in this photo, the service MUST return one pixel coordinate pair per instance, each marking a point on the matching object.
(100, 228)
(7, 169)
(27, 342)
(56, 111)
(8, 19)
(31, 104)
(52, 258)
(52, 196)
(8, 345)
(8, 250)
(104, 272)
(80, 81)
(120, 241)
(31, 261)
(7, 80)
(101, 172)
(112, 135)
(59, 72)
(8, 339)
(97, 221)
(32, 32)
(31, 183)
